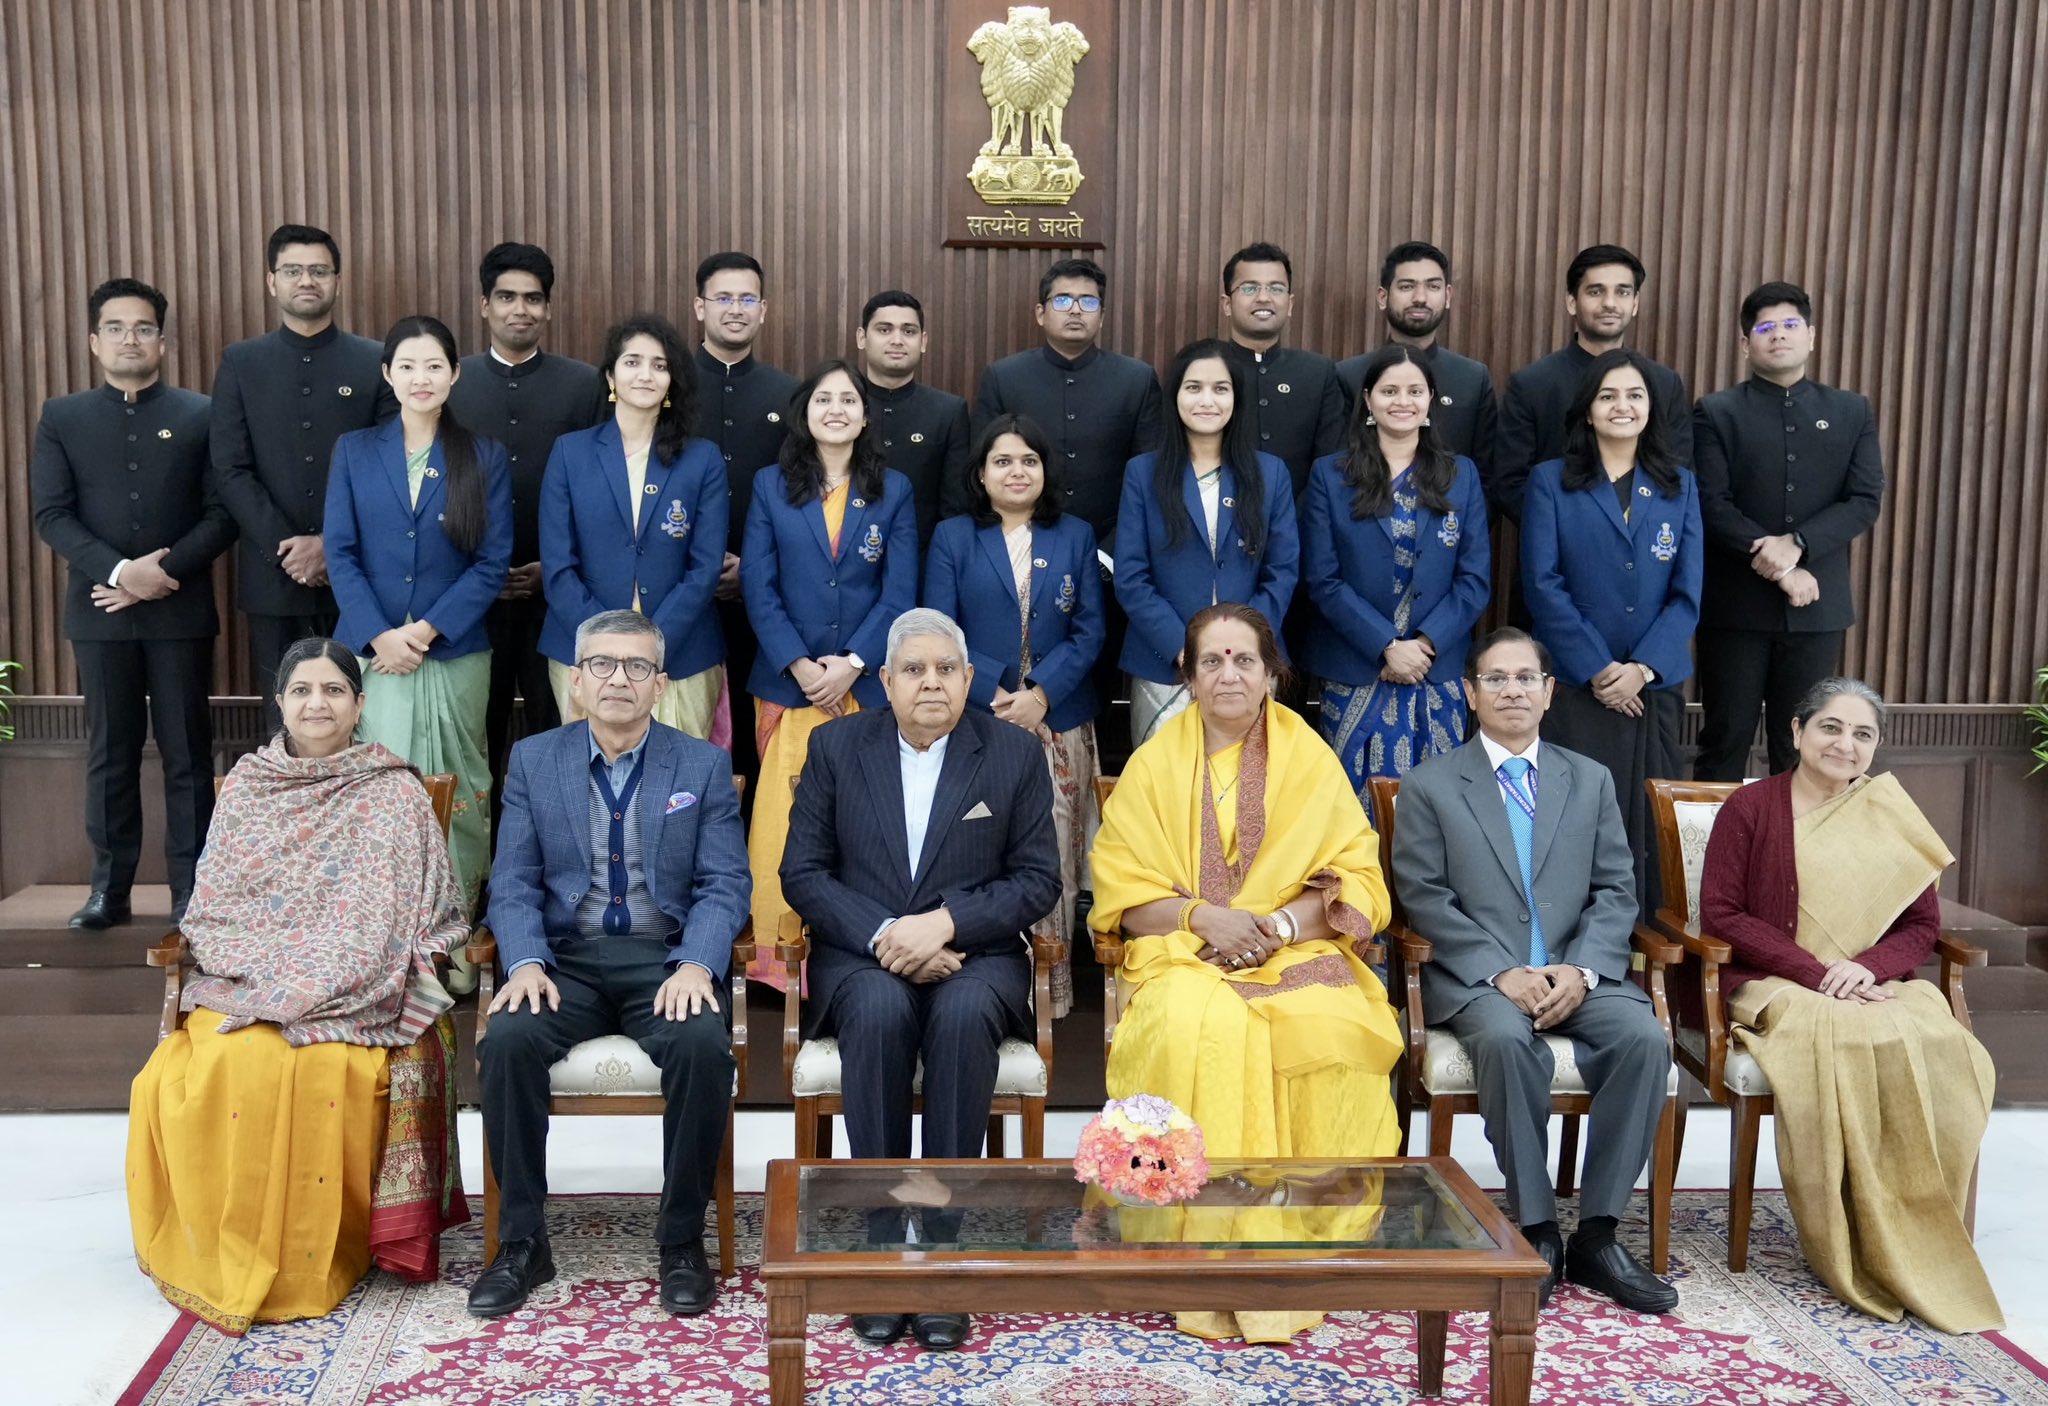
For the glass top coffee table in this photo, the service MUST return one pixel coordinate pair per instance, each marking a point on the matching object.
(1007, 1236)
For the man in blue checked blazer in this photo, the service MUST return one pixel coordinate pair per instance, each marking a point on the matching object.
(619, 884)
(920, 850)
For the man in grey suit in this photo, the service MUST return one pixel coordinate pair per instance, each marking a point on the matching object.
(1481, 829)
(619, 884)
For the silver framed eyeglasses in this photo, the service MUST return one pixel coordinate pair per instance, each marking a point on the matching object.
(604, 666)
(1249, 289)
(1528, 681)
(749, 301)
(144, 332)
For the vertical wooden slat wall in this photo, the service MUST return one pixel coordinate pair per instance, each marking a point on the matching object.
(1890, 156)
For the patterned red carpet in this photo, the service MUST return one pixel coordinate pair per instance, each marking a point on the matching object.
(596, 1337)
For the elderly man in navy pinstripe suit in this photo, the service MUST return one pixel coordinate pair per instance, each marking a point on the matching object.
(620, 882)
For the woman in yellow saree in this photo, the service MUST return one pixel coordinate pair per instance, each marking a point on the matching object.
(1822, 882)
(1236, 860)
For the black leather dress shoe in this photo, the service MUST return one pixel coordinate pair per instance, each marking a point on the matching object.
(940, 1331)
(520, 1268)
(102, 911)
(1550, 1245)
(687, 1285)
(880, 1329)
(1611, 1270)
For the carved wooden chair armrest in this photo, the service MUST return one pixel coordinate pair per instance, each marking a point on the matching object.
(1410, 951)
(1658, 955)
(1957, 954)
(736, 991)
(792, 945)
(482, 952)
(1710, 954)
(1109, 955)
(170, 955)
(1047, 952)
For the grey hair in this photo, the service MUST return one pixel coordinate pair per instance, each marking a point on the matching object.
(1828, 690)
(926, 621)
(619, 622)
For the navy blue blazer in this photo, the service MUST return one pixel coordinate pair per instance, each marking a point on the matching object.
(1161, 588)
(692, 847)
(990, 857)
(1347, 569)
(967, 575)
(592, 559)
(390, 561)
(1602, 589)
(805, 603)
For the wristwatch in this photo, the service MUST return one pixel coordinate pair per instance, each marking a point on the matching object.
(1649, 674)
(860, 665)
(1799, 541)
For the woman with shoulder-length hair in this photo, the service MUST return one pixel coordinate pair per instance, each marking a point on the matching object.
(633, 517)
(1611, 563)
(1822, 882)
(1020, 578)
(419, 536)
(1204, 518)
(1394, 558)
(828, 562)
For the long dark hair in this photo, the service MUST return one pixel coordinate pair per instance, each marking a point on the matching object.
(1582, 467)
(673, 421)
(1240, 452)
(467, 514)
(1365, 467)
(1046, 511)
(802, 470)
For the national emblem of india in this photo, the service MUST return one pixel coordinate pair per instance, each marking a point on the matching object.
(1027, 75)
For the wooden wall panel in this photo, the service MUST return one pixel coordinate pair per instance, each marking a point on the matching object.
(1888, 156)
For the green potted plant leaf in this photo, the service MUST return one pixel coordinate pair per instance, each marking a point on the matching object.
(2038, 716)
(7, 668)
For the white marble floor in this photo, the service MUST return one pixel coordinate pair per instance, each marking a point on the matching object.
(77, 1320)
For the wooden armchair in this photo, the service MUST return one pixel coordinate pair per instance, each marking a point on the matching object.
(1437, 1075)
(1685, 812)
(170, 954)
(613, 1075)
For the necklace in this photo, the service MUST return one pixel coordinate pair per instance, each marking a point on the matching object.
(1227, 789)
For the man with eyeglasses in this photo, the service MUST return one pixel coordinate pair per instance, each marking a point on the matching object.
(923, 429)
(118, 484)
(1099, 410)
(1297, 404)
(613, 916)
(1790, 475)
(744, 409)
(1510, 857)
(279, 403)
(525, 399)
(1415, 297)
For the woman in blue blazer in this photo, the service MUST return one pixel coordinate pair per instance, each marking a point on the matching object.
(1022, 580)
(1204, 518)
(633, 517)
(828, 562)
(419, 534)
(1395, 562)
(1611, 564)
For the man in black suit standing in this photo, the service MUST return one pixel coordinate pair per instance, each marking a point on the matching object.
(920, 850)
(119, 484)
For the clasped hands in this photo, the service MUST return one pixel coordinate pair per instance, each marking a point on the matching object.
(916, 947)
(1234, 939)
(1776, 559)
(1620, 687)
(1407, 661)
(825, 681)
(143, 578)
(1546, 995)
(1852, 981)
(402, 648)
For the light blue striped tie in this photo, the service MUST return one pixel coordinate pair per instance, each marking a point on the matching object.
(1514, 774)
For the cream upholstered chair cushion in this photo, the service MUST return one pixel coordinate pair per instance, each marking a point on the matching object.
(1447, 1066)
(1019, 1070)
(1740, 1073)
(610, 1065)
(1695, 827)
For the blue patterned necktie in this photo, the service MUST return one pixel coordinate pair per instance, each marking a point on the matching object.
(1521, 804)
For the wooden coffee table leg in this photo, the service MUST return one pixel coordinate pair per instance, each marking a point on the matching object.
(786, 1317)
(1430, 1329)
(1512, 1363)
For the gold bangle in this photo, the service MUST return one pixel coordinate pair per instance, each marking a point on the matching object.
(1187, 913)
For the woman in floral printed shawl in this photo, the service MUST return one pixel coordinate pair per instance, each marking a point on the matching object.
(301, 1121)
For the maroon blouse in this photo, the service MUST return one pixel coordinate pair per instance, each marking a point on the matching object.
(1749, 898)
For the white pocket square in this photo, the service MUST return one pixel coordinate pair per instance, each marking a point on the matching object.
(980, 812)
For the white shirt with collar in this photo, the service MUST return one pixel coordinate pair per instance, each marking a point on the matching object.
(920, 772)
(1496, 756)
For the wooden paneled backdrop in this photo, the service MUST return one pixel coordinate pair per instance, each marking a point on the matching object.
(1888, 155)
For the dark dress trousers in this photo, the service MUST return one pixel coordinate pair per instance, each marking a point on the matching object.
(925, 438)
(1464, 417)
(525, 408)
(112, 480)
(1775, 459)
(1298, 406)
(694, 858)
(1460, 883)
(989, 858)
(280, 401)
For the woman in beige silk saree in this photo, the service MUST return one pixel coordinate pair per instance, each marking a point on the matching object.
(1822, 881)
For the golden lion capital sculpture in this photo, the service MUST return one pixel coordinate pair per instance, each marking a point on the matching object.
(1027, 75)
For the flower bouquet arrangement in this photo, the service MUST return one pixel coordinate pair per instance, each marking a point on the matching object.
(1143, 1149)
